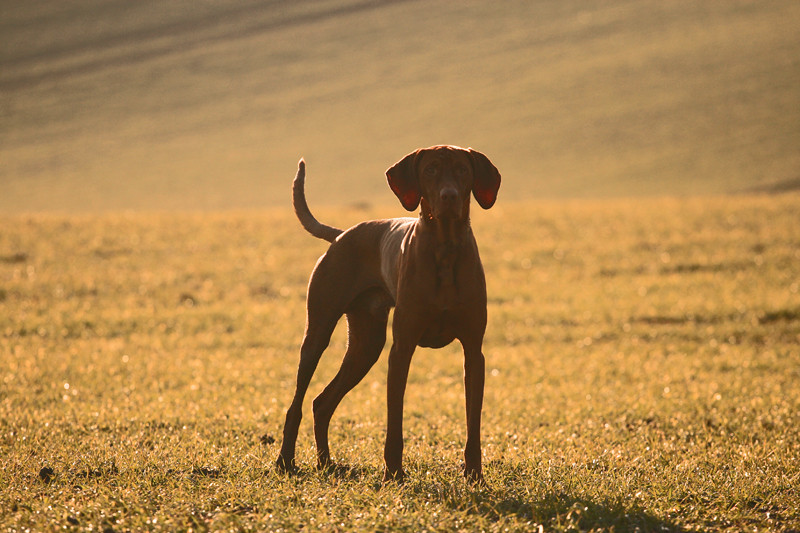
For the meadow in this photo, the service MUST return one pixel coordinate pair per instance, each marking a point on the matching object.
(643, 261)
(642, 375)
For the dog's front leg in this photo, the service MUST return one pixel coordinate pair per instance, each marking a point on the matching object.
(474, 377)
(399, 362)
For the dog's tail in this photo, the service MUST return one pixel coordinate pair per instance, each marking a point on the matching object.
(311, 224)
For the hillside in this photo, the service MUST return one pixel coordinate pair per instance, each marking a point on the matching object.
(112, 104)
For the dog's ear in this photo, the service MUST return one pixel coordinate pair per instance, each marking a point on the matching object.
(486, 179)
(403, 181)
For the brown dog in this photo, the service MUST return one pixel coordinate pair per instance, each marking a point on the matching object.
(428, 268)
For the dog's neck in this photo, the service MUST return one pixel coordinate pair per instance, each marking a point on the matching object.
(447, 235)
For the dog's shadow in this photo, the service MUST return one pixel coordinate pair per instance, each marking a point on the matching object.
(567, 512)
(494, 502)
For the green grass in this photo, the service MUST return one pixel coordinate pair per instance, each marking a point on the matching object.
(642, 370)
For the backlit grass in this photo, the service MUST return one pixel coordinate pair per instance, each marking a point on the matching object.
(642, 371)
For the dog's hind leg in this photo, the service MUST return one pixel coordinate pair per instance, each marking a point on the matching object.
(366, 335)
(314, 343)
(324, 310)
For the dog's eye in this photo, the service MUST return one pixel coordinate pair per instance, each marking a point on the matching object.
(461, 170)
(431, 170)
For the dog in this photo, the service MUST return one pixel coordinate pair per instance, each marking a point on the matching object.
(427, 268)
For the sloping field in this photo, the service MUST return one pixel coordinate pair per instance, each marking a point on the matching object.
(642, 375)
(204, 105)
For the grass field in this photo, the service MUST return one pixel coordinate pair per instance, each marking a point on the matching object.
(642, 361)
(643, 261)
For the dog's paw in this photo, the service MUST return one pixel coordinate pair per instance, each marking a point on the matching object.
(398, 476)
(475, 478)
(285, 466)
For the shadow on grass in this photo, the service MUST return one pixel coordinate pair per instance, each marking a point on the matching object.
(564, 512)
(554, 511)
(515, 499)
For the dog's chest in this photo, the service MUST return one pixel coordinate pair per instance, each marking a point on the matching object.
(447, 307)
(441, 330)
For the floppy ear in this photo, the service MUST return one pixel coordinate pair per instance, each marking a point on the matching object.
(403, 181)
(487, 179)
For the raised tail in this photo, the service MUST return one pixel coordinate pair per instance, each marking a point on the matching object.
(311, 224)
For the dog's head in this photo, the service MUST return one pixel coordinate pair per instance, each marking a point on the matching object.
(442, 178)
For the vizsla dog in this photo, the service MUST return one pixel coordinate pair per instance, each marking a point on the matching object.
(428, 268)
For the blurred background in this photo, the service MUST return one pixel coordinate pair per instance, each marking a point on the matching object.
(199, 105)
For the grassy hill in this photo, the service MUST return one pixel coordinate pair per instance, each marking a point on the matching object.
(161, 105)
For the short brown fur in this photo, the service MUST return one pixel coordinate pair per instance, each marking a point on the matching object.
(428, 268)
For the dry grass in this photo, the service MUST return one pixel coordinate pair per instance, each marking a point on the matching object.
(642, 354)
(642, 375)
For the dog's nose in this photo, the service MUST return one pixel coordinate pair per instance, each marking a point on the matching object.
(448, 195)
